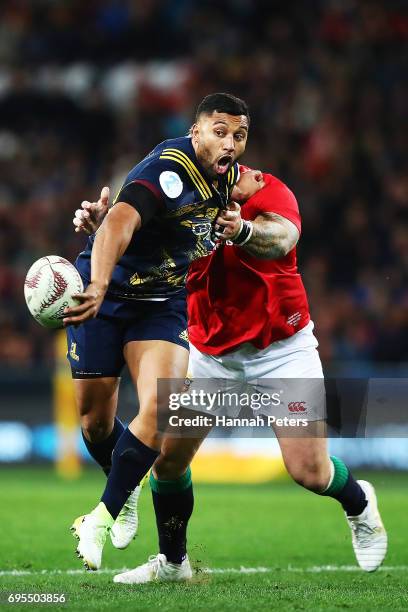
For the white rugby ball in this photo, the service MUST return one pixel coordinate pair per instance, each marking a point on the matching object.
(48, 289)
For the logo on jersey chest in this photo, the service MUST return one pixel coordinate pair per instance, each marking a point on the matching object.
(200, 229)
(171, 184)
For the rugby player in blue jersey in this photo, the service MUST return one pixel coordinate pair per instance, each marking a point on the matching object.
(133, 310)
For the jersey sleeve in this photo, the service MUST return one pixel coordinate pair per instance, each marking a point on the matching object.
(277, 198)
(164, 178)
(143, 198)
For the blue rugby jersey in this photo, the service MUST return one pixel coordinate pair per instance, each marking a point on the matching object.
(155, 264)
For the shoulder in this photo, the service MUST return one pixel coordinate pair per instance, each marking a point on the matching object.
(178, 154)
(157, 155)
(275, 197)
(161, 170)
(278, 188)
(170, 172)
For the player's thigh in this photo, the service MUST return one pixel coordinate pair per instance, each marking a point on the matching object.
(95, 348)
(295, 357)
(149, 361)
(293, 378)
(96, 358)
(202, 365)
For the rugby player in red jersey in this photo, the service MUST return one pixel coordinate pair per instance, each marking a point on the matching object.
(249, 320)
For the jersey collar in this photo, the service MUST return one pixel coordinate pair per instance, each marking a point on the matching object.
(221, 191)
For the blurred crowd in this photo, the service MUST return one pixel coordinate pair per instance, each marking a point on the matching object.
(88, 88)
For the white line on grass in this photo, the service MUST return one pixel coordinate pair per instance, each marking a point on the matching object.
(316, 569)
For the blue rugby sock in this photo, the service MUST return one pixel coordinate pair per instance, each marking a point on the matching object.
(131, 460)
(102, 451)
(173, 502)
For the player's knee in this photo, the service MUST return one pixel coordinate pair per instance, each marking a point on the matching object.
(169, 466)
(144, 427)
(94, 428)
(310, 474)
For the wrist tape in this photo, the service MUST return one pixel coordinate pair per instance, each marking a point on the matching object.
(244, 234)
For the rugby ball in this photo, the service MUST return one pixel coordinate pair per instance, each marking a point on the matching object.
(48, 289)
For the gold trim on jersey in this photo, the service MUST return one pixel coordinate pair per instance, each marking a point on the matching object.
(164, 271)
(181, 158)
(231, 175)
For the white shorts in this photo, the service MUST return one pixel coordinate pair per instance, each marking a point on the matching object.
(289, 369)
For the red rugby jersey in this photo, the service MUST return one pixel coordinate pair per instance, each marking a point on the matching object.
(235, 298)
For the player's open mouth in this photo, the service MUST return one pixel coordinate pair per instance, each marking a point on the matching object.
(223, 164)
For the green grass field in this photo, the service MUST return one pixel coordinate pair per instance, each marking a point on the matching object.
(295, 546)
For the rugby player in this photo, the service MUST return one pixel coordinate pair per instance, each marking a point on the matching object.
(249, 318)
(133, 309)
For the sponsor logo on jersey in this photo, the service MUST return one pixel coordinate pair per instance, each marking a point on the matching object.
(72, 351)
(171, 184)
(297, 407)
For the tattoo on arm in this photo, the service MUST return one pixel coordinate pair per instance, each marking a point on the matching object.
(273, 237)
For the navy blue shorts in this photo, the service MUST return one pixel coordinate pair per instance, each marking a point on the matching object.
(95, 348)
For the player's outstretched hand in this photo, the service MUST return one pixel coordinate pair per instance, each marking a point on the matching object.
(91, 214)
(229, 223)
(89, 303)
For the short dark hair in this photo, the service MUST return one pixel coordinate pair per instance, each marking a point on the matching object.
(222, 103)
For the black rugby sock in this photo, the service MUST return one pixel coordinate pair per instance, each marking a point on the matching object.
(102, 451)
(352, 497)
(346, 489)
(173, 502)
(131, 460)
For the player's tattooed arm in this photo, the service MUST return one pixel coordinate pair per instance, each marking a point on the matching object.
(269, 236)
(272, 236)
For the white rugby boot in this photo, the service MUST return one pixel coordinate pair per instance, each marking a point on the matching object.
(368, 533)
(91, 530)
(125, 527)
(156, 569)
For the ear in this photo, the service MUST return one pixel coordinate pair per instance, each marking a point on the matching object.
(194, 130)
